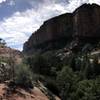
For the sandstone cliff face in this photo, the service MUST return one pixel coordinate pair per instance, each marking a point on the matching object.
(53, 29)
(87, 21)
(83, 23)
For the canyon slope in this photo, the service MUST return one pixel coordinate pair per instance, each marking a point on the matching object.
(81, 25)
(8, 58)
(9, 53)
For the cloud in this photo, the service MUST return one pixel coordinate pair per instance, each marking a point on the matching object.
(9, 7)
(16, 29)
(11, 3)
(95, 1)
(1, 1)
(73, 4)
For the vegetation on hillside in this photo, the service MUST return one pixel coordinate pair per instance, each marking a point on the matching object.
(18, 74)
(75, 77)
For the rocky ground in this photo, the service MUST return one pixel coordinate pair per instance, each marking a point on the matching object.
(39, 92)
(21, 94)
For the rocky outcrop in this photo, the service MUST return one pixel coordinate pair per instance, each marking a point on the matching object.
(7, 93)
(83, 23)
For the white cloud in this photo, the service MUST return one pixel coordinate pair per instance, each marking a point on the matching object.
(73, 4)
(17, 28)
(56, 7)
(11, 3)
(2, 1)
(94, 1)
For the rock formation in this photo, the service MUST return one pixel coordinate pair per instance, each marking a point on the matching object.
(52, 30)
(6, 93)
(87, 21)
(83, 23)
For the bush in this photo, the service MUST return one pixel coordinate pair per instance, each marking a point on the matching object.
(67, 82)
(52, 86)
(88, 90)
(23, 76)
(38, 64)
(47, 64)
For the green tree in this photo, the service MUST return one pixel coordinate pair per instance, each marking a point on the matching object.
(88, 90)
(23, 76)
(67, 82)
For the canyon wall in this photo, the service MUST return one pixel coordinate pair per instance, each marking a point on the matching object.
(83, 23)
(87, 21)
(51, 30)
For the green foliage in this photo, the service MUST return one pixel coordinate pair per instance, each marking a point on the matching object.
(74, 78)
(73, 87)
(53, 60)
(5, 69)
(47, 64)
(23, 76)
(83, 64)
(88, 90)
(51, 85)
(39, 65)
(66, 80)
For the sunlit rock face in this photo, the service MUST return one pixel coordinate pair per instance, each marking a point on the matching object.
(83, 23)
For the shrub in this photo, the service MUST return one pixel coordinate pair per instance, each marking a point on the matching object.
(88, 90)
(23, 76)
(47, 64)
(52, 86)
(38, 64)
(67, 81)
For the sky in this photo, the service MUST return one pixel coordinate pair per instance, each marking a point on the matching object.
(20, 18)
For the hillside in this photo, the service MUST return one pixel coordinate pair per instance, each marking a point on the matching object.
(7, 52)
(37, 93)
(10, 59)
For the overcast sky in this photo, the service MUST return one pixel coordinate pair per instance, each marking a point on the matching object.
(20, 18)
